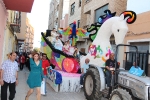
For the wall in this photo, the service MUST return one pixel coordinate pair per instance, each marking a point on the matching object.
(139, 31)
(64, 24)
(60, 12)
(51, 15)
(3, 18)
(141, 24)
(88, 10)
(9, 42)
(77, 14)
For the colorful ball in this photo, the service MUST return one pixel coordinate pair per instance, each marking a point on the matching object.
(68, 65)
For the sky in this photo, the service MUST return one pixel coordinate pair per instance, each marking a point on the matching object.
(138, 6)
(65, 7)
(39, 19)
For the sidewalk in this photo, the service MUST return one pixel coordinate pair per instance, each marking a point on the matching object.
(22, 89)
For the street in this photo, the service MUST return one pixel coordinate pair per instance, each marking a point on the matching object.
(22, 89)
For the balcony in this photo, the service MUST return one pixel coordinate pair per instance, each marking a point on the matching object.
(19, 5)
(16, 24)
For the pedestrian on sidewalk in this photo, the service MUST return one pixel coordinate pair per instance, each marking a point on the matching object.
(45, 66)
(28, 62)
(9, 77)
(22, 61)
(35, 77)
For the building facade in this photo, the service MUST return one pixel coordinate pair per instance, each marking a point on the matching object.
(29, 37)
(15, 31)
(74, 12)
(87, 12)
(64, 24)
(55, 14)
(10, 24)
(3, 14)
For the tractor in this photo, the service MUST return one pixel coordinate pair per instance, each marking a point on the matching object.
(124, 86)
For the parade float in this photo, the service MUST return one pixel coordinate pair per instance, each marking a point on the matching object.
(64, 78)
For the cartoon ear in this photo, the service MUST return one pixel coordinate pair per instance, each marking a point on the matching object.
(122, 16)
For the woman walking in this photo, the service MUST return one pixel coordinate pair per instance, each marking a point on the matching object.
(35, 76)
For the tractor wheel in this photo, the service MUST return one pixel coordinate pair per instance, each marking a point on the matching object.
(120, 94)
(92, 84)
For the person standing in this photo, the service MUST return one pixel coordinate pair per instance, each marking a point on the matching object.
(9, 77)
(35, 77)
(22, 61)
(28, 62)
(84, 68)
(45, 66)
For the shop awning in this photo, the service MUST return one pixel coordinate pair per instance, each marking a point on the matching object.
(19, 5)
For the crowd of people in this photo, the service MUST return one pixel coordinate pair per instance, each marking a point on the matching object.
(66, 46)
(37, 65)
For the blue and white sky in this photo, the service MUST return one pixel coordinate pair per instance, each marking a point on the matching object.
(40, 14)
(138, 6)
(39, 19)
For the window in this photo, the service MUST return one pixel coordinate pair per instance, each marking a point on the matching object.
(99, 12)
(72, 9)
(80, 3)
(142, 46)
(78, 23)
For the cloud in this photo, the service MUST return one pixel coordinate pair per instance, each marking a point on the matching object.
(39, 19)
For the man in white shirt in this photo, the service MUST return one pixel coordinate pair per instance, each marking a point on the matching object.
(9, 77)
(84, 68)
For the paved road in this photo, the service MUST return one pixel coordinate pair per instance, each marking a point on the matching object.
(22, 89)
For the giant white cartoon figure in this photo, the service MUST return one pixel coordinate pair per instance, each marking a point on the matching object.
(115, 25)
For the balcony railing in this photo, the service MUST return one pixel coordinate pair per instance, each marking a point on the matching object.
(16, 24)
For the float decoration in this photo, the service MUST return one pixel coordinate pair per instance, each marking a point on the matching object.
(74, 33)
(58, 56)
(101, 49)
(95, 27)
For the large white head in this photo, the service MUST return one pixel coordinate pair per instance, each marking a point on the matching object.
(120, 28)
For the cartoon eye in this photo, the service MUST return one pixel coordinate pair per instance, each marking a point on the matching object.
(118, 30)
